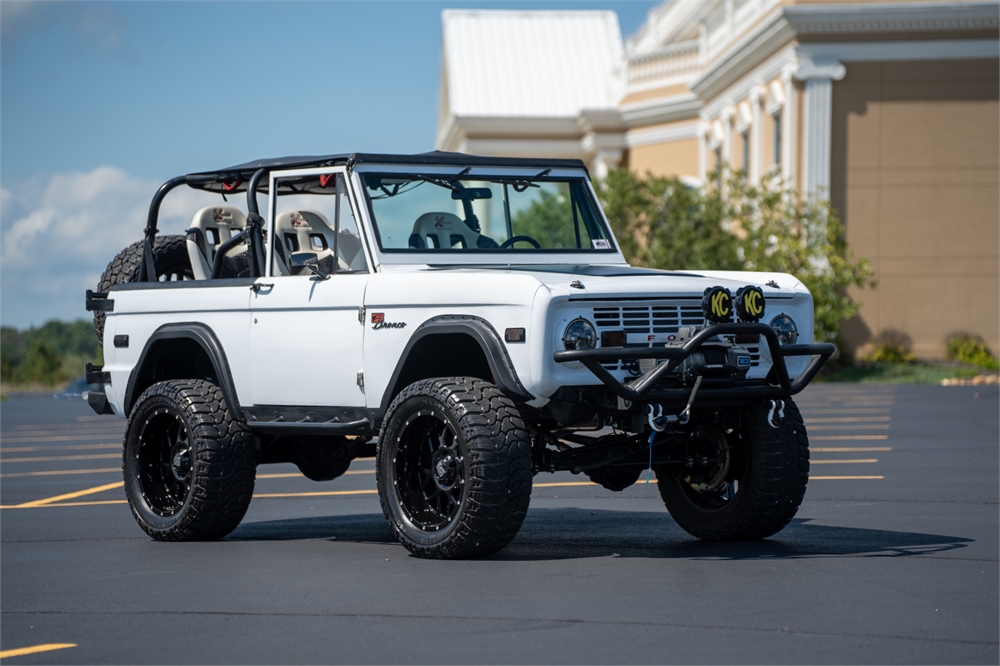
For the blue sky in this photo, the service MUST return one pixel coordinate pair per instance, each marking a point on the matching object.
(100, 102)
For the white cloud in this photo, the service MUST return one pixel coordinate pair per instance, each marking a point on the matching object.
(59, 235)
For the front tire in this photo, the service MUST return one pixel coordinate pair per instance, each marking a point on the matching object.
(453, 468)
(189, 465)
(759, 489)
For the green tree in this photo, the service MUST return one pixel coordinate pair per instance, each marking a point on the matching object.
(549, 220)
(40, 364)
(733, 225)
(73, 342)
(663, 223)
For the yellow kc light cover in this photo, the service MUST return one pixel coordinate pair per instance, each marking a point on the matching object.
(717, 304)
(749, 304)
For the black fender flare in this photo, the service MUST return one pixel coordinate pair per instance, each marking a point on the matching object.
(479, 330)
(205, 337)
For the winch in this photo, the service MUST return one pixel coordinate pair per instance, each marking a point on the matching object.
(718, 359)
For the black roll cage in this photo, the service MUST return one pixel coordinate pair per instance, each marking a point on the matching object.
(247, 177)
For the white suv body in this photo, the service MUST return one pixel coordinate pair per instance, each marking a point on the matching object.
(311, 347)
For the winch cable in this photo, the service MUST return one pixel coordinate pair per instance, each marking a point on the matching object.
(649, 471)
(658, 423)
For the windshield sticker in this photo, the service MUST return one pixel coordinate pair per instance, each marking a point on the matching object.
(601, 244)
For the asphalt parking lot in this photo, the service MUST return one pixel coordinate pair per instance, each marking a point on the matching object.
(893, 558)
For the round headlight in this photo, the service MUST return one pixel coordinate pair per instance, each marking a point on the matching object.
(580, 334)
(784, 326)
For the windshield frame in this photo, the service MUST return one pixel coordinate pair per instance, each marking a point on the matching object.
(402, 256)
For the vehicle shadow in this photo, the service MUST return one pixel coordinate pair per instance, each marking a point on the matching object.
(572, 533)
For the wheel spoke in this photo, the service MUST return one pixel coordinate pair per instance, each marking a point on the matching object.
(428, 471)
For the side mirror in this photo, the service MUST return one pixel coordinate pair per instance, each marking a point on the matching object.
(308, 260)
(302, 259)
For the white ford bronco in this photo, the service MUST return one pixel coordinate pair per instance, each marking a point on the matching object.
(473, 313)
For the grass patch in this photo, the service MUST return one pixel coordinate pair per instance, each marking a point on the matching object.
(896, 373)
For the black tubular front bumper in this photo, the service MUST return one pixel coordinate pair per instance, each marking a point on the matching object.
(645, 388)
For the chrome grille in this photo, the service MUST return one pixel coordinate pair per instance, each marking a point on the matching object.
(654, 317)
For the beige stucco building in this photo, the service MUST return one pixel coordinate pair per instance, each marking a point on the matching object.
(890, 109)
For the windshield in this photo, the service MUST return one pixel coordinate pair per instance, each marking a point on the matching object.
(434, 213)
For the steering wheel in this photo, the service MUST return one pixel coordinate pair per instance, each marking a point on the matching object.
(516, 239)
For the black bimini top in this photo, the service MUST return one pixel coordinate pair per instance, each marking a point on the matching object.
(235, 178)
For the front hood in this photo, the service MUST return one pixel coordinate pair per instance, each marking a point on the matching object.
(623, 282)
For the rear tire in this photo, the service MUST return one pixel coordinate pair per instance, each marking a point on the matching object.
(169, 255)
(453, 468)
(189, 465)
(765, 481)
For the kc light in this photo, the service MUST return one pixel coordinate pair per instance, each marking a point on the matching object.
(580, 334)
(784, 326)
(749, 304)
(717, 304)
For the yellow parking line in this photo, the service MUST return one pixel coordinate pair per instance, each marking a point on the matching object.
(845, 478)
(60, 438)
(47, 458)
(47, 647)
(844, 462)
(829, 437)
(62, 472)
(849, 419)
(81, 447)
(53, 506)
(852, 449)
(68, 496)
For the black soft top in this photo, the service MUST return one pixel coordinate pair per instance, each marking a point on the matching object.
(235, 178)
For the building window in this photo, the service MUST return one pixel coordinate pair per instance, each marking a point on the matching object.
(745, 135)
(777, 136)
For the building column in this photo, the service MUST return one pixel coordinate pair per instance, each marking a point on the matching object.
(788, 129)
(754, 168)
(728, 115)
(819, 77)
(604, 161)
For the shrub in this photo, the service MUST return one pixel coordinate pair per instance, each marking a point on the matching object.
(970, 348)
(891, 346)
(733, 225)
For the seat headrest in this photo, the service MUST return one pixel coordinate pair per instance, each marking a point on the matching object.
(307, 220)
(443, 230)
(225, 217)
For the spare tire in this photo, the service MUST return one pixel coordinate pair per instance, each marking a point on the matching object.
(169, 256)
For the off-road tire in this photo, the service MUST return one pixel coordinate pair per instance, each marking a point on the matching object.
(222, 463)
(775, 471)
(169, 255)
(494, 449)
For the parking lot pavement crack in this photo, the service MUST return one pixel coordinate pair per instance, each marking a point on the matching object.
(487, 618)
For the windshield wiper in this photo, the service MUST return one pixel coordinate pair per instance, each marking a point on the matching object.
(446, 184)
(521, 184)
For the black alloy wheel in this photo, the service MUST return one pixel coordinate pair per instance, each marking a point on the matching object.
(188, 464)
(163, 459)
(453, 468)
(743, 484)
(430, 470)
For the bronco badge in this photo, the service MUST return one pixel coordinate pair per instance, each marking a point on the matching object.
(379, 322)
